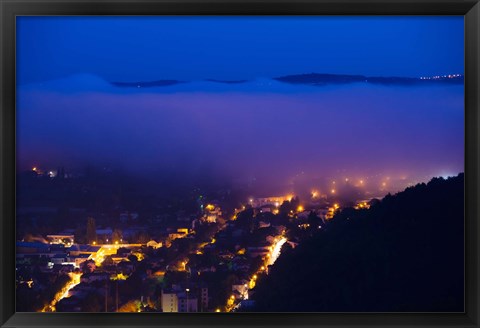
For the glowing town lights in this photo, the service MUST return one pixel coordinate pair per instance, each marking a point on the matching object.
(262, 268)
(277, 204)
(275, 253)
(314, 194)
(218, 310)
(346, 179)
(119, 276)
(384, 184)
(361, 182)
(34, 169)
(94, 243)
(64, 292)
(332, 191)
(251, 200)
(254, 277)
(300, 208)
(336, 206)
(362, 205)
(211, 207)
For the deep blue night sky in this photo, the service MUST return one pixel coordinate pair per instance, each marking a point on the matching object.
(275, 135)
(142, 49)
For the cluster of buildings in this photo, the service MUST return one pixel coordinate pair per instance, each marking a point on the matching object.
(244, 248)
(212, 213)
(59, 252)
(176, 242)
(267, 202)
(184, 299)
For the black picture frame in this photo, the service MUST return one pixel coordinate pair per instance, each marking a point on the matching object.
(9, 9)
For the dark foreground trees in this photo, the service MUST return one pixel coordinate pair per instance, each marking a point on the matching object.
(403, 254)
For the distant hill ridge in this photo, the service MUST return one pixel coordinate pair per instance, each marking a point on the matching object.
(403, 254)
(317, 79)
(158, 83)
(324, 79)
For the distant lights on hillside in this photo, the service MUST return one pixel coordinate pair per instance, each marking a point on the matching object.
(436, 77)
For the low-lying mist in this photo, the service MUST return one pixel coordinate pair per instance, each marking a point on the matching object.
(274, 137)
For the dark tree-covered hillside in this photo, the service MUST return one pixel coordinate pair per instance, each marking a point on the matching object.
(406, 253)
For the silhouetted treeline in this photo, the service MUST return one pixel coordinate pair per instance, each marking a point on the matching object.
(406, 253)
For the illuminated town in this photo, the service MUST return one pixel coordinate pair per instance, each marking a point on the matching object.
(231, 247)
(208, 259)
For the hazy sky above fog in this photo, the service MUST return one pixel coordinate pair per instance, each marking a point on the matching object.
(153, 48)
(275, 133)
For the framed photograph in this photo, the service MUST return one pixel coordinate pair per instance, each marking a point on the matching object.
(239, 163)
